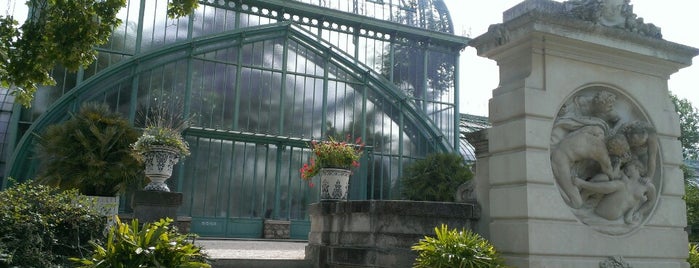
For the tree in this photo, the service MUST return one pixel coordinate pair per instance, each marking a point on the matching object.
(689, 138)
(689, 127)
(691, 198)
(63, 32)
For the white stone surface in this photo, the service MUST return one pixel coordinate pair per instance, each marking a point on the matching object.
(544, 60)
(252, 249)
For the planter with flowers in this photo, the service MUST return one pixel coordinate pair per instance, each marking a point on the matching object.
(161, 146)
(332, 161)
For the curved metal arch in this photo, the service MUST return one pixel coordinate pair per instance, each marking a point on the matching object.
(20, 165)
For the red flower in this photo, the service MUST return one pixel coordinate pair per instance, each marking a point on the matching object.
(332, 154)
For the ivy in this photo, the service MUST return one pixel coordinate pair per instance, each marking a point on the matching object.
(63, 32)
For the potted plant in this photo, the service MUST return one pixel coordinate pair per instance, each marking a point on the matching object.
(332, 160)
(161, 146)
(90, 152)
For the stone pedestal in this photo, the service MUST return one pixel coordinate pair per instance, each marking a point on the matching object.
(276, 229)
(151, 206)
(378, 233)
(557, 61)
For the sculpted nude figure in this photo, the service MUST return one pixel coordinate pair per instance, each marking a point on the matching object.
(629, 197)
(585, 143)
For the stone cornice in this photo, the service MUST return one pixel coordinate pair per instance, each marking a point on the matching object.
(543, 24)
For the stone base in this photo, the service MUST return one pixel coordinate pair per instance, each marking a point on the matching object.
(276, 229)
(151, 206)
(378, 233)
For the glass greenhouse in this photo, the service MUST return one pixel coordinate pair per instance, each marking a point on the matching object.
(261, 79)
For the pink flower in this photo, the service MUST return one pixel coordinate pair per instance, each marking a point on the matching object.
(331, 153)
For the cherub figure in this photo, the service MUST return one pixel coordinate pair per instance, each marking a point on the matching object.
(643, 143)
(630, 197)
(602, 106)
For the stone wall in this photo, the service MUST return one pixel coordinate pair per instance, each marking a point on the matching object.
(378, 233)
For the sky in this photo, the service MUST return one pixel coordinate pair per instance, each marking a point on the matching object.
(479, 76)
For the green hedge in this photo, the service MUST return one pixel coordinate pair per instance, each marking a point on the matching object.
(435, 178)
(42, 226)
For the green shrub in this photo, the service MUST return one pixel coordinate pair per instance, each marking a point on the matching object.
(453, 248)
(152, 245)
(5, 258)
(435, 178)
(91, 152)
(41, 226)
(693, 259)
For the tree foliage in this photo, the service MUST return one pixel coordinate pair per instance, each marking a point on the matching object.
(691, 198)
(62, 32)
(689, 127)
(689, 138)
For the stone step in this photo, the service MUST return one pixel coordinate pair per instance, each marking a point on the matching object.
(260, 263)
(255, 253)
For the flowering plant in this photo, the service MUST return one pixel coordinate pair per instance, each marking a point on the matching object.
(332, 154)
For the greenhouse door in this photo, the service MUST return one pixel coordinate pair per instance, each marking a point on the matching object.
(232, 184)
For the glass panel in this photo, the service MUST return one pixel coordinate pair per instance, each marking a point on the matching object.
(213, 94)
(259, 99)
(211, 20)
(158, 29)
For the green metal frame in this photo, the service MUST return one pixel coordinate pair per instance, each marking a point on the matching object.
(403, 116)
(19, 162)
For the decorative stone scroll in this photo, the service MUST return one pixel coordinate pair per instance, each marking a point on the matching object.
(604, 158)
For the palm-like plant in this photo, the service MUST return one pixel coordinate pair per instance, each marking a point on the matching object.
(152, 245)
(90, 152)
(454, 248)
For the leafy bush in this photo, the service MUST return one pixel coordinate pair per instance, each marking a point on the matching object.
(453, 248)
(41, 226)
(5, 258)
(693, 259)
(91, 152)
(152, 245)
(435, 178)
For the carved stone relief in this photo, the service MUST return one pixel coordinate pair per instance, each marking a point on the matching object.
(604, 157)
(612, 13)
(614, 262)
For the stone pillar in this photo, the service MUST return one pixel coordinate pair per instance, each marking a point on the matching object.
(570, 183)
(479, 140)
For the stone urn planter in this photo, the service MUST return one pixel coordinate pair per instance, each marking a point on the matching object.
(159, 162)
(334, 184)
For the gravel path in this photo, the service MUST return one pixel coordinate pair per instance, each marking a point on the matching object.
(252, 249)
